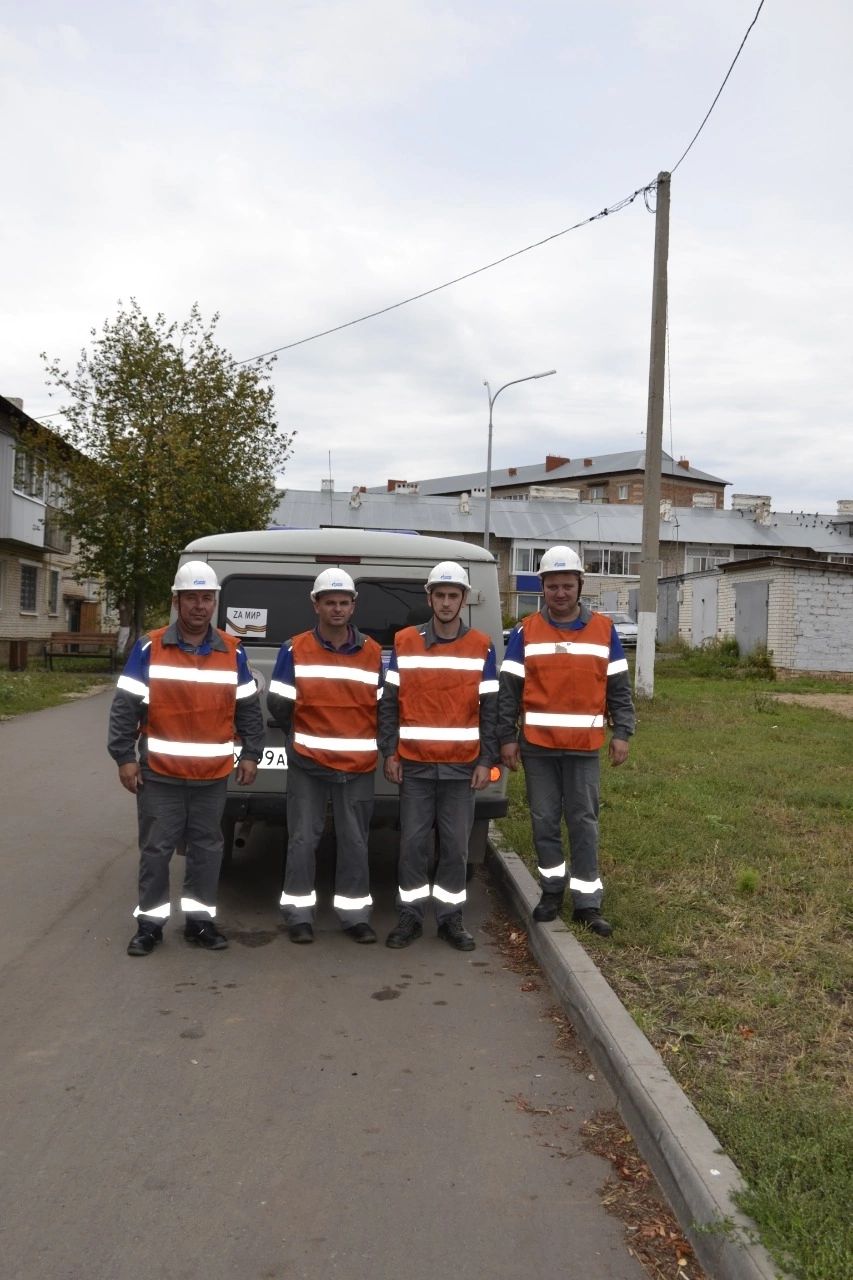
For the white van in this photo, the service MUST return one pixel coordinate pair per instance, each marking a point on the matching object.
(266, 579)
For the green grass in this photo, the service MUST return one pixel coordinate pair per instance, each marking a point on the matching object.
(725, 847)
(33, 689)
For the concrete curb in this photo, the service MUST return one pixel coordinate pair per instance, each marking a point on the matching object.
(682, 1152)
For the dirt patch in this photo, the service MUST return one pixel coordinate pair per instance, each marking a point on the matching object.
(840, 703)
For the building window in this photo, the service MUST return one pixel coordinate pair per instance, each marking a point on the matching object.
(614, 562)
(526, 602)
(699, 559)
(29, 588)
(29, 474)
(526, 559)
(622, 492)
(53, 593)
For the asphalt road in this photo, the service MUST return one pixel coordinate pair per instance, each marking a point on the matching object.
(270, 1111)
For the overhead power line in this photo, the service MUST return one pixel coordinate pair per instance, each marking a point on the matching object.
(371, 315)
(614, 208)
(721, 88)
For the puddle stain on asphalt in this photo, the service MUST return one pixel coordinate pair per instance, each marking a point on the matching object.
(255, 937)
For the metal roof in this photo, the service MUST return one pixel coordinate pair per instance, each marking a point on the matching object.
(574, 469)
(545, 520)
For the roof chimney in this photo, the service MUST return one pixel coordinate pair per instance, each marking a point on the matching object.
(553, 460)
(393, 485)
(684, 463)
(845, 507)
(587, 462)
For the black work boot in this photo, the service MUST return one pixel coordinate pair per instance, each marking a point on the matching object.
(408, 929)
(361, 932)
(548, 907)
(204, 933)
(145, 940)
(592, 919)
(452, 930)
(302, 932)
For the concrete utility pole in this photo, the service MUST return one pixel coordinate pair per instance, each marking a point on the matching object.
(644, 675)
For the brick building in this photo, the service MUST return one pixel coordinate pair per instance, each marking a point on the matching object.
(605, 478)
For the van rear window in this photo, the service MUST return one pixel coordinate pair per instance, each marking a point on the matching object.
(269, 610)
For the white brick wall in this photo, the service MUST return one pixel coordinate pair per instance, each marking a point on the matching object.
(823, 621)
(809, 615)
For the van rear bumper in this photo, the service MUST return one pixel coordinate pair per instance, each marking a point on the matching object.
(386, 809)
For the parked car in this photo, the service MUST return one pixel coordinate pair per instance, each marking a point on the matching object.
(626, 627)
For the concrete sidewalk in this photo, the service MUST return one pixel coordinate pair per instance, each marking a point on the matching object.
(697, 1178)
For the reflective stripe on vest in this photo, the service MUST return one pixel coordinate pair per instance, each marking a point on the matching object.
(440, 690)
(565, 683)
(192, 700)
(334, 719)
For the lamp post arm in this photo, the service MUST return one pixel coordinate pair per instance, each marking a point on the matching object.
(531, 377)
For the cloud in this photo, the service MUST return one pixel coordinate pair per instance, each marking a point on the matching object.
(294, 167)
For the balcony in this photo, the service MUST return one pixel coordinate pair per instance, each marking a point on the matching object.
(55, 537)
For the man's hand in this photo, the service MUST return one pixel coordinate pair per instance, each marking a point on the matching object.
(481, 777)
(618, 751)
(510, 755)
(394, 769)
(247, 771)
(130, 777)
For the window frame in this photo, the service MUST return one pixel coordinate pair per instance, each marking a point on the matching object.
(26, 566)
(629, 555)
(29, 474)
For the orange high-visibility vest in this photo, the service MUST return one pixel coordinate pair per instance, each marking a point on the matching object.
(565, 683)
(440, 696)
(334, 716)
(192, 698)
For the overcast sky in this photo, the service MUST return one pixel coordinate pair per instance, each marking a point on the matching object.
(296, 165)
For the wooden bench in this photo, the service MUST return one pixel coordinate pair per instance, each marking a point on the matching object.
(81, 644)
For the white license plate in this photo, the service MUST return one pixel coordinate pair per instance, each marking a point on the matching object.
(272, 758)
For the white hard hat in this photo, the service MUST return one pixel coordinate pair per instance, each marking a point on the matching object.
(333, 580)
(560, 560)
(448, 574)
(195, 575)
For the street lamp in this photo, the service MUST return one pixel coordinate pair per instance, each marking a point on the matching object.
(531, 377)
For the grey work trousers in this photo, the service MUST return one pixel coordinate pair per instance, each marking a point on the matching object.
(426, 804)
(565, 785)
(351, 795)
(172, 813)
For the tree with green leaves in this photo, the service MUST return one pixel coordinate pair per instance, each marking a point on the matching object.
(171, 439)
